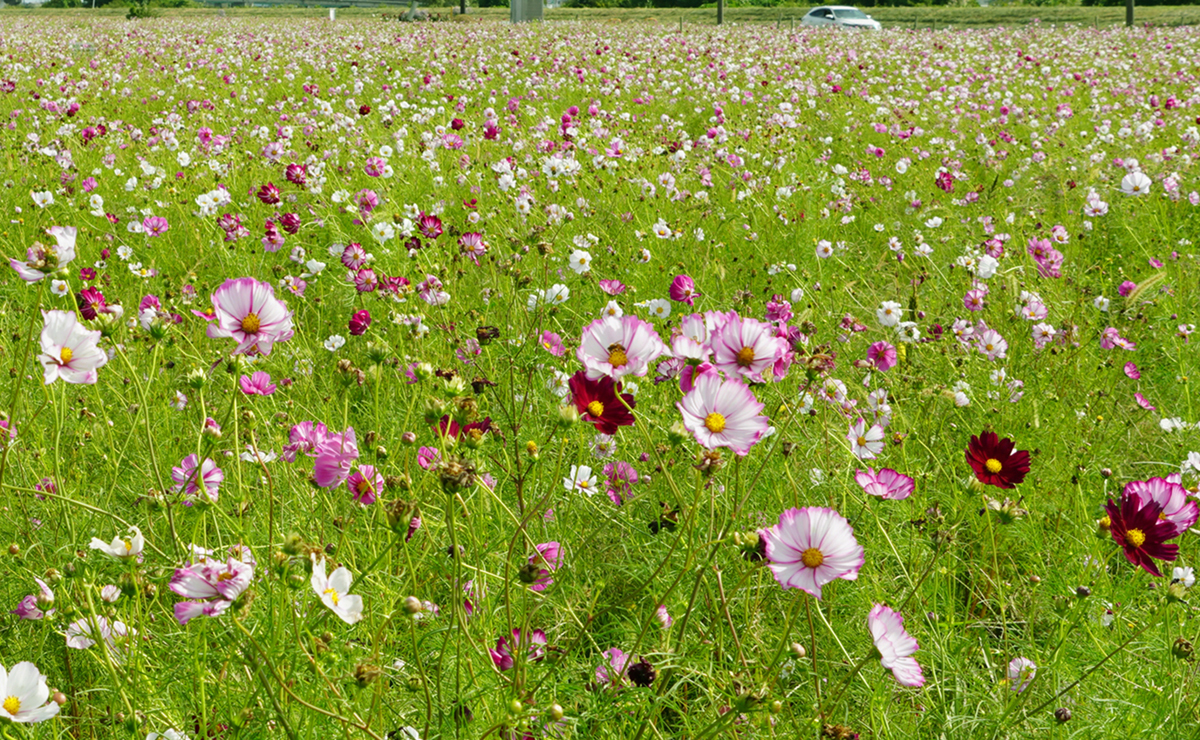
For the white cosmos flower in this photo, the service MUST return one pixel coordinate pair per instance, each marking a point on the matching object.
(1135, 183)
(121, 548)
(335, 342)
(334, 591)
(581, 479)
(26, 694)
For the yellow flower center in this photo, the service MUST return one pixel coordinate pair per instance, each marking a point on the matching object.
(812, 558)
(251, 323)
(617, 356)
(745, 356)
(862, 441)
(596, 409)
(128, 546)
(584, 484)
(226, 576)
(989, 347)
(715, 423)
(12, 705)
(332, 594)
(1105, 521)
(66, 355)
(1135, 537)
(993, 465)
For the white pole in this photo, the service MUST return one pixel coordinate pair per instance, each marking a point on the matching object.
(333, 14)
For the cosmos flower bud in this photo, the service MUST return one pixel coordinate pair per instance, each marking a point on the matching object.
(642, 673)
(528, 573)
(197, 379)
(408, 438)
(1103, 527)
(798, 651)
(677, 434)
(1062, 715)
(365, 675)
(1182, 649)
(1176, 592)
(567, 416)
(556, 712)
(433, 409)
(293, 544)
(531, 449)
(413, 605)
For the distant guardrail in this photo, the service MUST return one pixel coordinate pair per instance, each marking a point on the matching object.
(309, 3)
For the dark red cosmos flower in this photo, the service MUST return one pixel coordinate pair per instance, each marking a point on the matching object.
(450, 429)
(268, 194)
(1138, 527)
(91, 303)
(994, 462)
(597, 402)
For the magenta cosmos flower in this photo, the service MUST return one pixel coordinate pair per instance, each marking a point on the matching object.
(895, 645)
(811, 547)
(615, 347)
(69, 351)
(187, 479)
(365, 484)
(723, 414)
(547, 560)
(746, 347)
(534, 643)
(258, 384)
(882, 356)
(248, 312)
(683, 290)
(886, 483)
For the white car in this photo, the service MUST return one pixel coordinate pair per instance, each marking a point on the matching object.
(840, 15)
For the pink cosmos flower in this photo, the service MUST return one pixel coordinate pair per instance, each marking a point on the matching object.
(618, 347)
(746, 347)
(258, 384)
(155, 226)
(612, 287)
(1141, 401)
(428, 457)
(865, 443)
(1131, 371)
(663, 616)
(1126, 288)
(723, 414)
(31, 607)
(991, 344)
(1020, 673)
(548, 559)
(886, 483)
(211, 586)
(43, 259)
(609, 674)
(553, 343)
(304, 437)
(811, 547)
(365, 484)
(69, 351)
(535, 644)
(83, 633)
(1172, 498)
(882, 355)
(335, 454)
(895, 645)
(186, 477)
(683, 290)
(248, 312)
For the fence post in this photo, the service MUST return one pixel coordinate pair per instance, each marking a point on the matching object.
(720, 12)
(1128, 13)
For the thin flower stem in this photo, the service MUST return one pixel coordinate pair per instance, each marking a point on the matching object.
(12, 402)
(283, 685)
(1093, 669)
(812, 650)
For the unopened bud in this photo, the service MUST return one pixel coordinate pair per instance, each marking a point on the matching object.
(412, 605)
(1062, 714)
(408, 438)
(567, 415)
(1083, 592)
(798, 651)
(556, 712)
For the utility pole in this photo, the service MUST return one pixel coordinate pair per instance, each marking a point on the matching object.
(721, 11)
(1128, 13)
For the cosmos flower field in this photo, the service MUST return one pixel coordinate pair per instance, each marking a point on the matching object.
(600, 381)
